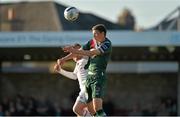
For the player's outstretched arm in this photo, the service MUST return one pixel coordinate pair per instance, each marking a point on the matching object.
(62, 60)
(68, 74)
(65, 73)
(91, 52)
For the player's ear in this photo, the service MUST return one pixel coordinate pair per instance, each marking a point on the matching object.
(103, 33)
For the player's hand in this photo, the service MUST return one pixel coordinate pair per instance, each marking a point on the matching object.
(65, 48)
(68, 48)
(60, 61)
(57, 67)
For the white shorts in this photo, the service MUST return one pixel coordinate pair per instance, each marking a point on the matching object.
(82, 97)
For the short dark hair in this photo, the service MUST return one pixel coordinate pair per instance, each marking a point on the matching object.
(100, 27)
(76, 45)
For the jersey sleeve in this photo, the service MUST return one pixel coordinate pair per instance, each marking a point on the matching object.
(105, 47)
(87, 46)
(68, 74)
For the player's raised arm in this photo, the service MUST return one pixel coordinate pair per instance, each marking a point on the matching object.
(62, 60)
(83, 52)
(65, 73)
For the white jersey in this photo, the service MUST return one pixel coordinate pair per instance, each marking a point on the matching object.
(81, 72)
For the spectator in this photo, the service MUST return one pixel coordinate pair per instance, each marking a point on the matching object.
(136, 110)
(162, 110)
(171, 107)
(1, 110)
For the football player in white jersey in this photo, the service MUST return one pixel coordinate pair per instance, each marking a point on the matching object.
(80, 74)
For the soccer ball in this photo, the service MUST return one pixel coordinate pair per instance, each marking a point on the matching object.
(71, 13)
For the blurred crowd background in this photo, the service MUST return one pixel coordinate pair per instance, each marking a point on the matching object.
(29, 87)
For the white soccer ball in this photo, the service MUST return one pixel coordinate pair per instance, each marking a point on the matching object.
(71, 13)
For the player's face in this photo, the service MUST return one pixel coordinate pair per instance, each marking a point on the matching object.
(98, 36)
